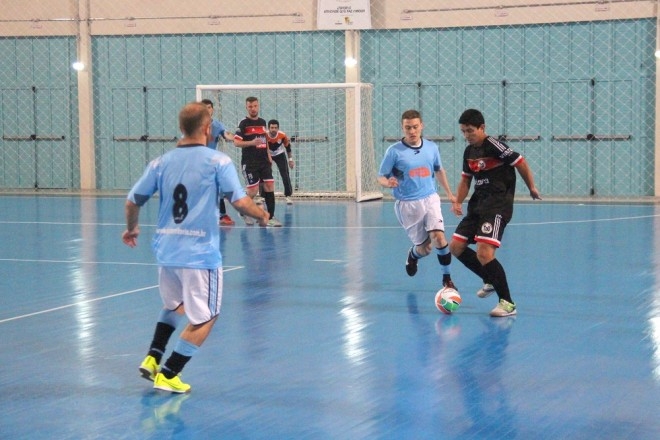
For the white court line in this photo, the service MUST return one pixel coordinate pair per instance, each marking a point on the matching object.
(76, 304)
(329, 261)
(67, 306)
(597, 220)
(10, 222)
(232, 268)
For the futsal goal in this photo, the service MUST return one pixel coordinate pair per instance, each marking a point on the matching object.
(330, 127)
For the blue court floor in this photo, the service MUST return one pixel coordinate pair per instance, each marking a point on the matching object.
(323, 335)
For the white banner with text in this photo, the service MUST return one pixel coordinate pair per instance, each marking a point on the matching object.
(343, 14)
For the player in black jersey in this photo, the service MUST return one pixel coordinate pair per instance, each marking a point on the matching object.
(492, 165)
(250, 137)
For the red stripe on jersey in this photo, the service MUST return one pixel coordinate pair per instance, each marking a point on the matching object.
(255, 129)
(484, 164)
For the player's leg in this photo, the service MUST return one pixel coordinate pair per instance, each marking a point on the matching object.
(225, 219)
(441, 247)
(202, 293)
(435, 224)
(168, 320)
(222, 207)
(167, 323)
(251, 177)
(494, 272)
(410, 214)
(459, 248)
(269, 199)
(460, 241)
(252, 186)
(269, 194)
(259, 197)
(189, 342)
(488, 241)
(283, 167)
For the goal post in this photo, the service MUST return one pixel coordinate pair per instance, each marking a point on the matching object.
(330, 127)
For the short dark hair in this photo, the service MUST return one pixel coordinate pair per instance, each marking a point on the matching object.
(472, 117)
(207, 102)
(411, 114)
(273, 122)
(251, 99)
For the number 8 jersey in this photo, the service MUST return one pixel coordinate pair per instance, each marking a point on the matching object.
(189, 180)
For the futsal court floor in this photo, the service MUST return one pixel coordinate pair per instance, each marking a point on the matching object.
(322, 335)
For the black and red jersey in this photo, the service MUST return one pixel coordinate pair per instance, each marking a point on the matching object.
(492, 167)
(249, 129)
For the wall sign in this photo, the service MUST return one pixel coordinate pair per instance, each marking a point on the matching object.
(343, 14)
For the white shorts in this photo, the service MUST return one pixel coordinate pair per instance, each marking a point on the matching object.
(200, 291)
(418, 217)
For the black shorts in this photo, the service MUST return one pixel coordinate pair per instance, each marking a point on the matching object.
(253, 174)
(486, 228)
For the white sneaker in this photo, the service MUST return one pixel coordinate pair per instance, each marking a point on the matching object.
(486, 291)
(502, 309)
(274, 223)
(248, 220)
(289, 201)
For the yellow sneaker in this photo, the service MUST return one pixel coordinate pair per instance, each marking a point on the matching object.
(149, 368)
(173, 385)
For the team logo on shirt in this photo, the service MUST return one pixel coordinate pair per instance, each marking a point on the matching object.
(419, 172)
(486, 228)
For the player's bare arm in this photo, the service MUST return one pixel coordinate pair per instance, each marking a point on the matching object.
(441, 177)
(130, 235)
(526, 173)
(388, 182)
(246, 206)
(461, 193)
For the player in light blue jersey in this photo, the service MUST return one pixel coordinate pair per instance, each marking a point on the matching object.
(411, 167)
(189, 180)
(218, 131)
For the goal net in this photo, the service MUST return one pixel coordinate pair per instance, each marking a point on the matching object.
(330, 127)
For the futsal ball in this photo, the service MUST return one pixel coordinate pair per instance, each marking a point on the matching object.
(447, 300)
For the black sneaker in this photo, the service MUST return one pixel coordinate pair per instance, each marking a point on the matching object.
(411, 264)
